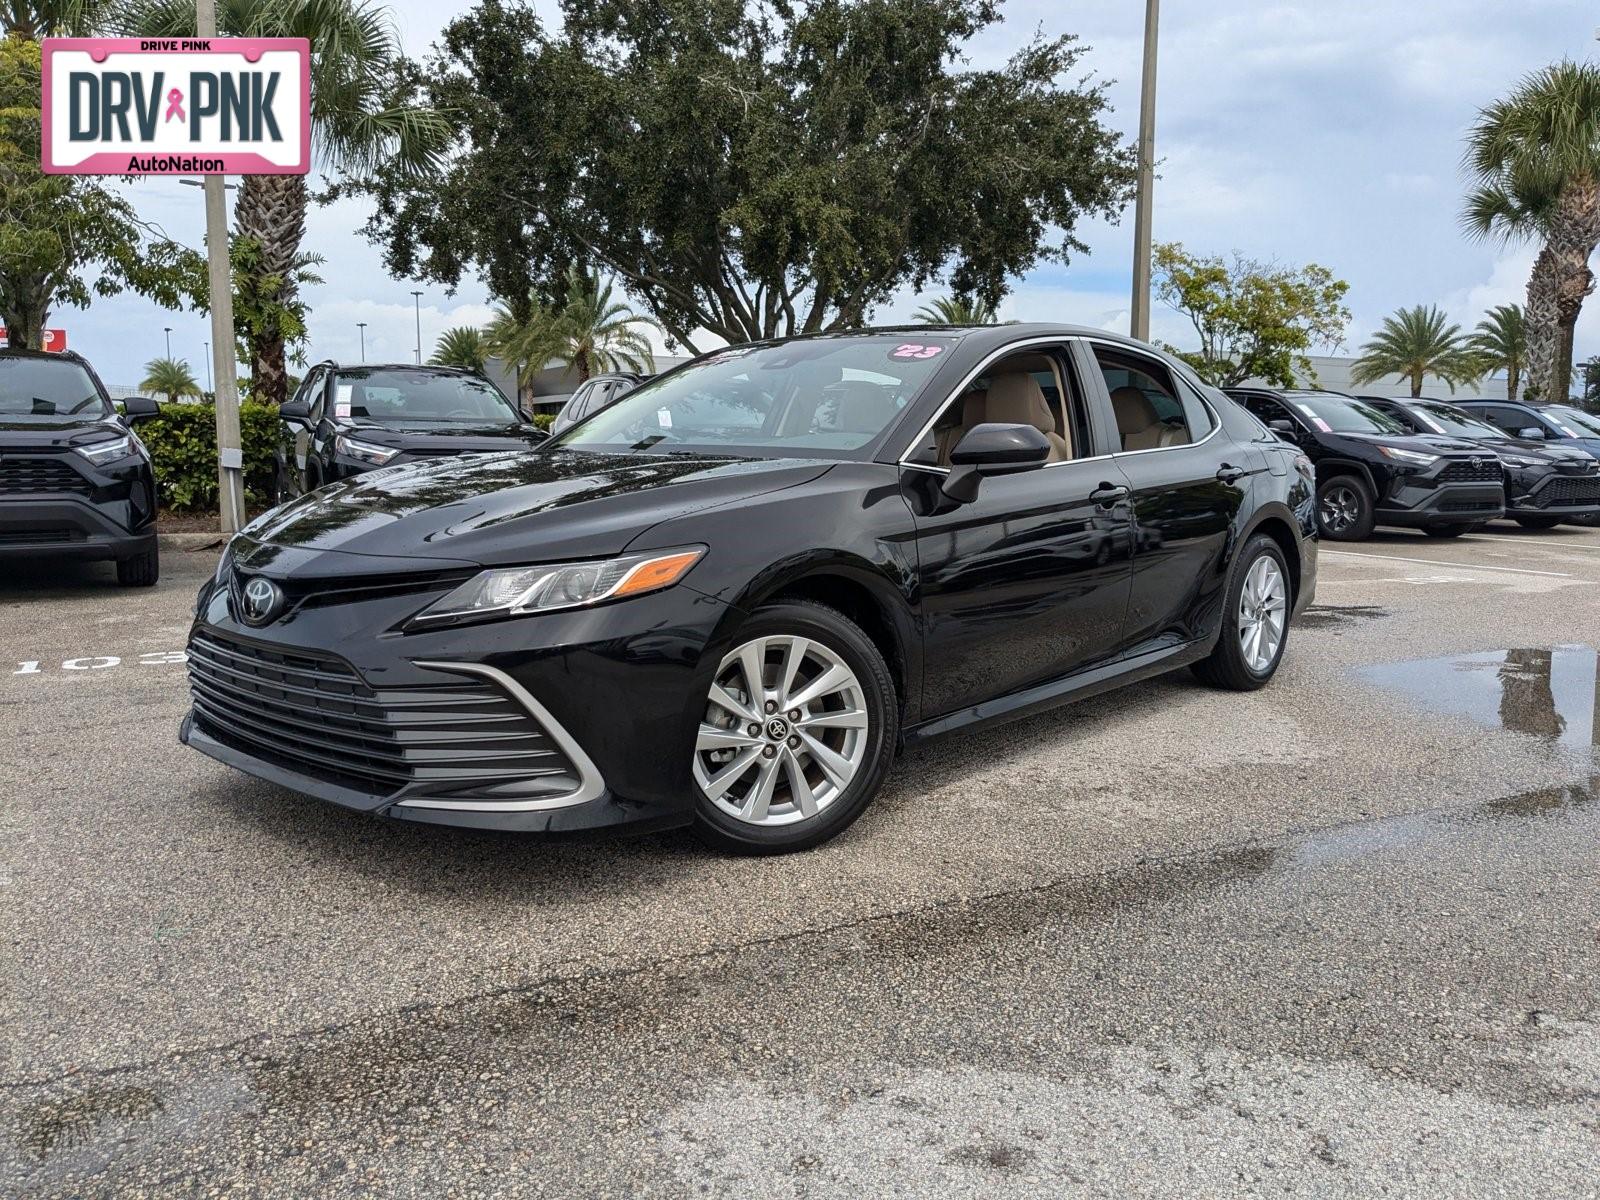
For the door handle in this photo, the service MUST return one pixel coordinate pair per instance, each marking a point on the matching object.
(1228, 473)
(1108, 494)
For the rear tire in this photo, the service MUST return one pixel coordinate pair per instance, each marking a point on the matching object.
(1345, 508)
(1446, 531)
(1538, 522)
(142, 570)
(831, 759)
(1242, 662)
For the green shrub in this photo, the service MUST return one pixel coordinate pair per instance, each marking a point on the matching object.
(182, 439)
(543, 420)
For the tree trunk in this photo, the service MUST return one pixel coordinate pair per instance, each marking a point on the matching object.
(1560, 283)
(1416, 384)
(272, 210)
(23, 311)
(1513, 378)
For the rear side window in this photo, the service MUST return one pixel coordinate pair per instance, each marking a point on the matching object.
(1150, 414)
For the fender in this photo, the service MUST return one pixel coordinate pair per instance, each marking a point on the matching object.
(1347, 466)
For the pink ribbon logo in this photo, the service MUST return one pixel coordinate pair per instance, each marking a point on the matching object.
(175, 105)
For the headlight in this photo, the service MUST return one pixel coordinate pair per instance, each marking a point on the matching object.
(1407, 456)
(367, 452)
(516, 591)
(1516, 460)
(110, 451)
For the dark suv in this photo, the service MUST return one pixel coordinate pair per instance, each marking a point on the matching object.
(1541, 422)
(74, 479)
(1372, 471)
(1546, 482)
(348, 419)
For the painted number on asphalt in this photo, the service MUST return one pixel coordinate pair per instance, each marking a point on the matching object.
(102, 662)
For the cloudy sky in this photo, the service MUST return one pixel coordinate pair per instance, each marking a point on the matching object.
(1295, 130)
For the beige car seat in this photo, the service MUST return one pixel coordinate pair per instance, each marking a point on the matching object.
(1015, 398)
(1140, 426)
(974, 410)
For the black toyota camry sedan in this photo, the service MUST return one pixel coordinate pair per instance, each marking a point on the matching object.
(728, 598)
(344, 420)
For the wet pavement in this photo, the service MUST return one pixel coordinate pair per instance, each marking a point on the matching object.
(1338, 937)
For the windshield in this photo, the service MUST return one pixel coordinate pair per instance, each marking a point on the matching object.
(809, 398)
(48, 387)
(1447, 418)
(396, 395)
(1581, 423)
(1333, 413)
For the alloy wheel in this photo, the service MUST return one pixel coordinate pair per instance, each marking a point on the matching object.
(1263, 611)
(785, 730)
(1340, 508)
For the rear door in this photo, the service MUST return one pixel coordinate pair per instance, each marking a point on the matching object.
(297, 433)
(1189, 481)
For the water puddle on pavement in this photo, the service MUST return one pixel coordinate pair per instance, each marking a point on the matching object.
(1550, 693)
(1322, 616)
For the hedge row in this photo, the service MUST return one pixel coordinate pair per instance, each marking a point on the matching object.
(182, 439)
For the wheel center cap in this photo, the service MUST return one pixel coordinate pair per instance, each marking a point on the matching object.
(777, 729)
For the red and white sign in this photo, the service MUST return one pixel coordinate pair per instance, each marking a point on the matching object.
(55, 340)
(177, 106)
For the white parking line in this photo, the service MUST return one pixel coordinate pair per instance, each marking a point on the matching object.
(1434, 562)
(1553, 547)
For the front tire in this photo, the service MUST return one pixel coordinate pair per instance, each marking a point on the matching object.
(1255, 628)
(1345, 508)
(142, 570)
(798, 732)
(1538, 522)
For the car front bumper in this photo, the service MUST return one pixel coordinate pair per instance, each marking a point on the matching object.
(70, 527)
(1572, 497)
(607, 695)
(1417, 500)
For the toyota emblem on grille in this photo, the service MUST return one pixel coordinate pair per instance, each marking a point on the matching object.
(261, 601)
(1476, 461)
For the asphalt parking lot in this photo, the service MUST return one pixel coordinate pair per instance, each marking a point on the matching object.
(1336, 937)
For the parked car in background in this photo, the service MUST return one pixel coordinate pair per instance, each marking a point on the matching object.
(344, 420)
(727, 598)
(1372, 471)
(593, 394)
(1546, 482)
(75, 481)
(1540, 422)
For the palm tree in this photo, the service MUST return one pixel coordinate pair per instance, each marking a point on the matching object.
(1500, 344)
(169, 377)
(355, 123)
(957, 310)
(596, 333)
(1535, 157)
(525, 344)
(1415, 343)
(463, 347)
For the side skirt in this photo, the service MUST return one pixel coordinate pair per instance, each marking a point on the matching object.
(1070, 688)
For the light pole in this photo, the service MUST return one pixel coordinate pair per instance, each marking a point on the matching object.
(167, 329)
(1140, 322)
(416, 299)
(362, 326)
(207, 356)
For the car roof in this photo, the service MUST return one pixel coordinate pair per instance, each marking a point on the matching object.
(53, 355)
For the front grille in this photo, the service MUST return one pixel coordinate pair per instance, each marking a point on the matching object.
(318, 593)
(41, 474)
(1486, 471)
(1561, 492)
(314, 715)
(39, 537)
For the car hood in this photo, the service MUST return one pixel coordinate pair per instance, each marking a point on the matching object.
(445, 438)
(1543, 451)
(519, 507)
(1423, 443)
(55, 432)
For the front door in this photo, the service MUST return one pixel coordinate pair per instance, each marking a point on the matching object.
(1030, 580)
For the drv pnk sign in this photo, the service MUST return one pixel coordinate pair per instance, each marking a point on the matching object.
(177, 106)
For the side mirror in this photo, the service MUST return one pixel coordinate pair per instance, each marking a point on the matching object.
(294, 410)
(992, 449)
(1532, 433)
(1286, 428)
(136, 407)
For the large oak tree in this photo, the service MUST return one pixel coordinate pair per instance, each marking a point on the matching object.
(752, 169)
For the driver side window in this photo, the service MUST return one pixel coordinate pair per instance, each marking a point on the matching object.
(1028, 388)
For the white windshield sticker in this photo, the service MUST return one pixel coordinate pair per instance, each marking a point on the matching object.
(1322, 425)
(1565, 430)
(664, 418)
(341, 399)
